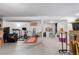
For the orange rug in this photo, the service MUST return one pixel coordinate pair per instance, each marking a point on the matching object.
(31, 40)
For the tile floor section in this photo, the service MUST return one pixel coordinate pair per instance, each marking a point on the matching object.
(44, 46)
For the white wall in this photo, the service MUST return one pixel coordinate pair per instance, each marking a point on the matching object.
(40, 25)
(63, 24)
(70, 27)
(19, 25)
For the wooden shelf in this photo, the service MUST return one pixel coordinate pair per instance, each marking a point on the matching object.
(73, 43)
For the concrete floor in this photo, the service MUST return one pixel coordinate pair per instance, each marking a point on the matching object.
(45, 46)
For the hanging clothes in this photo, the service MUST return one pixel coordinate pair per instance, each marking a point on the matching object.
(61, 36)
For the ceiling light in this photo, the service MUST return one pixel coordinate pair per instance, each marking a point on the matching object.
(18, 24)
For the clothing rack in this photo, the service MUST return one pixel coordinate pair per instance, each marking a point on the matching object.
(63, 50)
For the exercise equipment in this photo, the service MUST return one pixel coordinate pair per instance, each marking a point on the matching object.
(25, 32)
(44, 34)
(63, 40)
(6, 31)
(12, 38)
(16, 31)
(9, 37)
(34, 32)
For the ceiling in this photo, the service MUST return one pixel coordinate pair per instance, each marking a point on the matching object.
(10, 20)
(39, 9)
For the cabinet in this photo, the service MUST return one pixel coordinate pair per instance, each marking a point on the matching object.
(74, 42)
